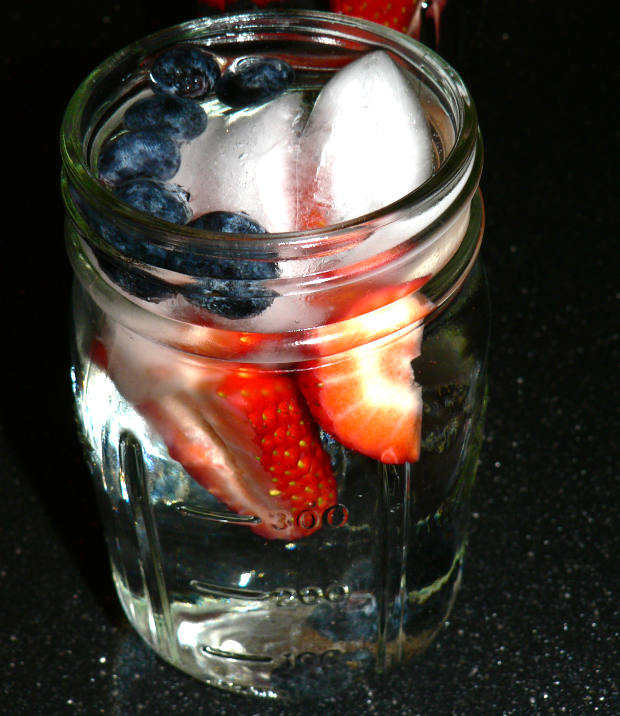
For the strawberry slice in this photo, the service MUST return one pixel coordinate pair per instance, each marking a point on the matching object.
(366, 397)
(243, 433)
(402, 15)
(250, 440)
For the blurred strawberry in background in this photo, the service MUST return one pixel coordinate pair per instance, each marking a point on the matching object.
(421, 19)
(451, 27)
(407, 16)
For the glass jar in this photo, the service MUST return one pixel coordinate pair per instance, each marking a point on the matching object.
(284, 484)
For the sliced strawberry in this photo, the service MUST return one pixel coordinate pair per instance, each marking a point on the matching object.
(310, 216)
(253, 444)
(367, 397)
(348, 308)
(245, 434)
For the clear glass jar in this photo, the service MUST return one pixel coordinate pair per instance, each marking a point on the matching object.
(261, 538)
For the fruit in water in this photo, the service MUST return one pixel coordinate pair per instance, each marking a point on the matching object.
(229, 287)
(251, 442)
(135, 281)
(164, 201)
(185, 71)
(156, 199)
(366, 397)
(253, 80)
(290, 448)
(145, 153)
(229, 222)
(175, 117)
(244, 434)
(231, 297)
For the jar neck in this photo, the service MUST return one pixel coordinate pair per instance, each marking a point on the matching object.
(428, 238)
(186, 332)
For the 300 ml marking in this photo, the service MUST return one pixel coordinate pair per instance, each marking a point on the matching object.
(334, 516)
(307, 520)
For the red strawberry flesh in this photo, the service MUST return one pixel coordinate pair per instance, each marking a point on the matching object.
(253, 444)
(367, 397)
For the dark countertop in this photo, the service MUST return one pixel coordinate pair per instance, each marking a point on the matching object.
(535, 628)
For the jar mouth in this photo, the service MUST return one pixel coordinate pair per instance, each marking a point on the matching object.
(462, 162)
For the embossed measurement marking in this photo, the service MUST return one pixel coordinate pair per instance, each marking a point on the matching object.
(212, 651)
(283, 597)
(334, 516)
(293, 660)
(217, 590)
(227, 517)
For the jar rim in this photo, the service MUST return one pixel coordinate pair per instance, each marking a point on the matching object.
(336, 27)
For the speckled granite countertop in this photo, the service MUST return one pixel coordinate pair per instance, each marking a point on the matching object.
(535, 627)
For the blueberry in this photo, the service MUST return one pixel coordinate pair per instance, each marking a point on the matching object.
(138, 283)
(141, 250)
(143, 153)
(175, 117)
(226, 269)
(185, 71)
(230, 299)
(152, 197)
(228, 222)
(358, 617)
(253, 80)
(228, 287)
(100, 225)
(356, 620)
(157, 199)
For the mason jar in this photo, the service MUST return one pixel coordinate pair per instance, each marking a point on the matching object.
(283, 428)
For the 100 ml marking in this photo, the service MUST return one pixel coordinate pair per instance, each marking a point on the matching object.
(293, 660)
(288, 660)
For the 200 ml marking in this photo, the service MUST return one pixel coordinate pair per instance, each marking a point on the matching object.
(286, 597)
(282, 597)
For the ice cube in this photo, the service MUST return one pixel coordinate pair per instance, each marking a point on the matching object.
(429, 256)
(144, 370)
(245, 162)
(365, 145)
